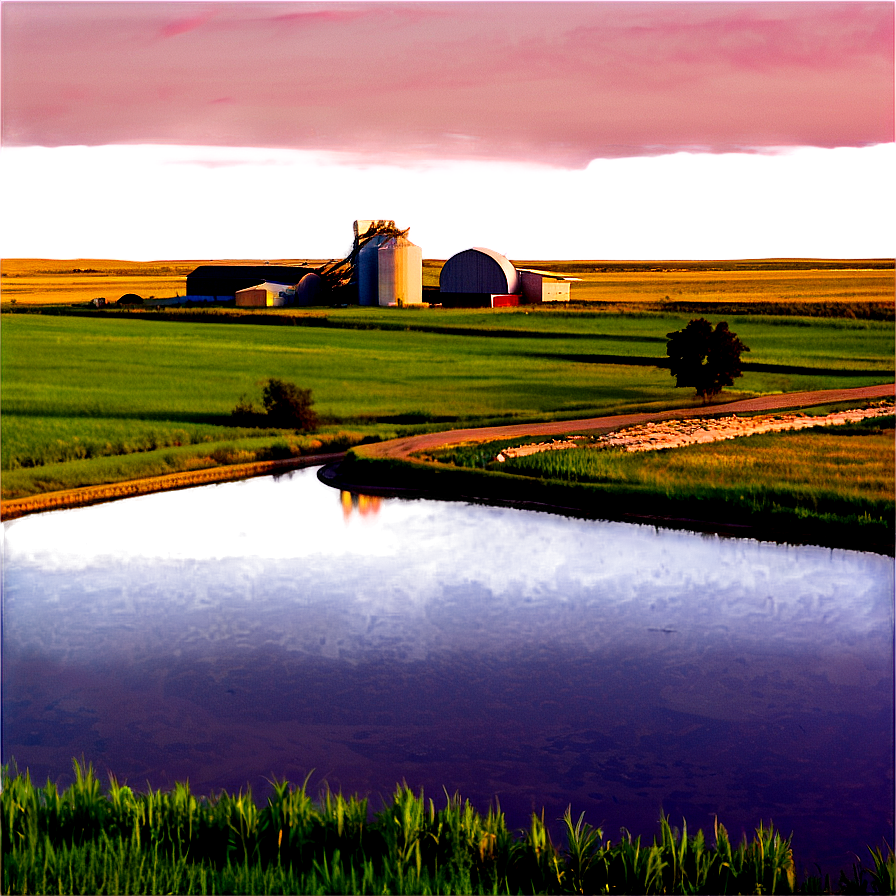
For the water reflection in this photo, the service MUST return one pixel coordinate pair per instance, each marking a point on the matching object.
(233, 632)
(365, 505)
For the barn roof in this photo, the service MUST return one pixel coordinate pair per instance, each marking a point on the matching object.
(479, 270)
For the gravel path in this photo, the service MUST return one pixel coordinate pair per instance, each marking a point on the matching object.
(403, 448)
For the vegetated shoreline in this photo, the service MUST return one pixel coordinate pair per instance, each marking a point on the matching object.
(82, 839)
(132, 488)
(387, 468)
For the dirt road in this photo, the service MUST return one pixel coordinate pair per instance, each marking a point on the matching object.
(403, 448)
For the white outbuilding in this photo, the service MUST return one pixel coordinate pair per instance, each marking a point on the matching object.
(543, 286)
(266, 295)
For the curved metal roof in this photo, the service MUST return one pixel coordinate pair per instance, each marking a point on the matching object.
(479, 270)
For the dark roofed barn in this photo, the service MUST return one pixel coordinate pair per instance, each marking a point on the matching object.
(225, 280)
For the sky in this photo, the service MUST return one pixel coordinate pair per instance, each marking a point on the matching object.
(544, 130)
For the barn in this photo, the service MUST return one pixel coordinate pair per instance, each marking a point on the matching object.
(221, 282)
(479, 278)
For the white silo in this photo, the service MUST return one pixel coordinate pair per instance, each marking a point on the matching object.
(400, 265)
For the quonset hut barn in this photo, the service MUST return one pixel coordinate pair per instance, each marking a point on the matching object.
(479, 278)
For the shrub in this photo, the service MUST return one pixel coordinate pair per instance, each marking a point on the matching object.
(288, 406)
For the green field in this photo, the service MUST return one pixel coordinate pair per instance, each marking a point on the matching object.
(155, 395)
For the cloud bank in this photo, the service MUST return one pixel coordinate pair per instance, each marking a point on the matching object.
(556, 84)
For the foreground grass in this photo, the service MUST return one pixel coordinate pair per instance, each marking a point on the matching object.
(85, 840)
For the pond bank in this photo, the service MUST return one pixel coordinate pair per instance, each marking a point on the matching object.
(95, 494)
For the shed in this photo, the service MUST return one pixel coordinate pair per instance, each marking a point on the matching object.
(479, 270)
(543, 286)
(266, 295)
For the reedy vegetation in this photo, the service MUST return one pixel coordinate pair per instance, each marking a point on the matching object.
(83, 840)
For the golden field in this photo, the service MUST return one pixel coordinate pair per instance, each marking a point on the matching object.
(804, 282)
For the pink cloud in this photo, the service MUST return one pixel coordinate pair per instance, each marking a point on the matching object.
(183, 25)
(552, 82)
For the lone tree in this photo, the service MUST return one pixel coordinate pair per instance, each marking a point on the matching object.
(287, 405)
(707, 359)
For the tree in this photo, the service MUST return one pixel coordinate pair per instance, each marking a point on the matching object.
(288, 406)
(705, 358)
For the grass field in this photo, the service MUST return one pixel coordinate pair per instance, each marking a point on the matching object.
(79, 390)
(97, 397)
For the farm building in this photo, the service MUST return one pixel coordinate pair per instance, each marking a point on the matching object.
(221, 282)
(481, 271)
(479, 278)
(266, 295)
(543, 286)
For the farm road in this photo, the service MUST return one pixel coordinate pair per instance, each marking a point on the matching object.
(403, 448)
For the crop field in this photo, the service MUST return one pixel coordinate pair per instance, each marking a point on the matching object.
(828, 286)
(42, 281)
(78, 390)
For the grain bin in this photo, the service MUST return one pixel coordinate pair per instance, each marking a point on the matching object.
(310, 290)
(368, 270)
(400, 265)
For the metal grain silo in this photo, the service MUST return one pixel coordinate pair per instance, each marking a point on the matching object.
(400, 272)
(368, 270)
(479, 270)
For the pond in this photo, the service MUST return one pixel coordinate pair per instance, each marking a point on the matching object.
(275, 627)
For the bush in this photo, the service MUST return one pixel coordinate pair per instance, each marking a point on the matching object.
(130, 298)
(288, 406)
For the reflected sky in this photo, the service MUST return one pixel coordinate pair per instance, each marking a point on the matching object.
(233, 631)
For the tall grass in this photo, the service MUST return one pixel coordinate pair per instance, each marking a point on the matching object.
(119, 841)
(830, 469)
